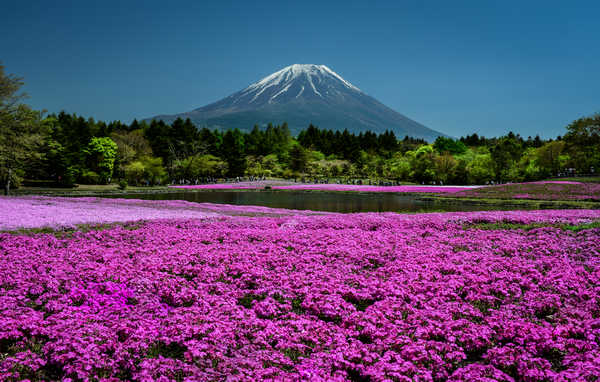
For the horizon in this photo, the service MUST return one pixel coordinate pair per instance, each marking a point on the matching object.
(474, 68)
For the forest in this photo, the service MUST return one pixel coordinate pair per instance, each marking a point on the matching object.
(72, 149)
(66, 149)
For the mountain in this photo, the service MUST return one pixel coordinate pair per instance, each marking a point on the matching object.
(300, 95)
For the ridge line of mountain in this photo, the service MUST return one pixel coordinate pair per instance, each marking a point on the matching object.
(302, 94)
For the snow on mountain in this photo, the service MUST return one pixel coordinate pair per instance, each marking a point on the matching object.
(301, 94)
(288, 75)
(291, 82)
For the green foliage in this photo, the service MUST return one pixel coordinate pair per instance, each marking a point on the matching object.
(550, 158)
(21, 132)
(232, 150)
(398, 167)
(131, 146)
(145, 171)
(480, 170)
(330, 168)
(348, 146)
(422, 164)
(101, 153)
(505, 153)
(445, 167)
(68, 148)
(448, 145)
(314, 156)
(123, 184)
(90, 177)
(529, 166)
(298, 158)
(172, 350)
(200, 166)
(582, 142)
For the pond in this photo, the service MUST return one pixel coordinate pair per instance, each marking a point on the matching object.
(323, 201)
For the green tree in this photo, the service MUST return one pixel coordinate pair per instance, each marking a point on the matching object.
(200, 166)
(480, 168)
(134, 172)
(398, 167)
(233, 152)
(55, 164)
(448, 145)
(21, 131)
(505, 155)
(298, 159)
(422, 164)
(155, 172)
(145, 170)
(582, 143)
(131, 145)
(101, 154)
(445, 167)
(271, 166)
(459, 175)
(549, 157)
(529, 166)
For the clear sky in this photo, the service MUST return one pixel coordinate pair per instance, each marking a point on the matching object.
(456, 66)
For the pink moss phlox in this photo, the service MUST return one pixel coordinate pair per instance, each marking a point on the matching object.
(56, 212)
(327, 187)
(377, 297)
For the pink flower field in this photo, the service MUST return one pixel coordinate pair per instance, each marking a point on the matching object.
(542, 190)
(483, 296)
(366, 188)
(329, 187)
(40, 211)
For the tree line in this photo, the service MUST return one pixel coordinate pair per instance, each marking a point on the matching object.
(65, 149)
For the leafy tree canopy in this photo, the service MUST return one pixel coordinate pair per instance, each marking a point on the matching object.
(21, 131)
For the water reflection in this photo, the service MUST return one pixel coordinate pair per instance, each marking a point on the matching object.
(320, 201)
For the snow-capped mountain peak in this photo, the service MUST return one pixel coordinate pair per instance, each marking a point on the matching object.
(300, 95)
(317, 79)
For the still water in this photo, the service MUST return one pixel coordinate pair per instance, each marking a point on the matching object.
(320, 201)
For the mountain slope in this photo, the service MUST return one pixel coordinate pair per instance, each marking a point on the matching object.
(300, 95)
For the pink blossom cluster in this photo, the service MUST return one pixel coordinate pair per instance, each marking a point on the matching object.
(222, 186)
(543, 190)
(333, 187)
(361, 297)
(555, 182)
(40, 211)
(248, 185)
(366, 188)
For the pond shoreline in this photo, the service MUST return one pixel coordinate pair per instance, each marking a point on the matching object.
(540, 203)
(434, 202)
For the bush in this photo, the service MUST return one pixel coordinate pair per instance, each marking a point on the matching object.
(90, 177)
(16, 177)
(123, 184)
(69, 177)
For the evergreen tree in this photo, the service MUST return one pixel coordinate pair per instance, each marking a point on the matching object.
(232, 150)
(298, 159)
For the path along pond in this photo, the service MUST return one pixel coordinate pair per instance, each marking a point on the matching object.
(344, 202)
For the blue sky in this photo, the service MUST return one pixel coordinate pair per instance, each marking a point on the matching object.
(456, 66)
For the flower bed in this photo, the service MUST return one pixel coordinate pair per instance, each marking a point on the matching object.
(40, 211)
(458, 296)
(544, 190)
(249, 185)
(330, 187)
